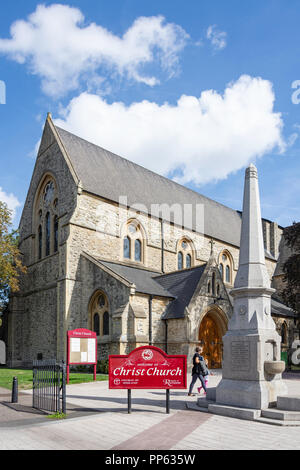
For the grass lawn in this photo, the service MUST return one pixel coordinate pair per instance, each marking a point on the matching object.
(25, 378)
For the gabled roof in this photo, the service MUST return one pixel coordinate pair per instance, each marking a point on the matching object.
(143, 279)
(107, 175)
(182, 285)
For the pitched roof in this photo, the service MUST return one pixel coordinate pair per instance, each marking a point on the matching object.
(279, 308)
(107, 175)
(142, 278)
(178, 286)
(182, 285)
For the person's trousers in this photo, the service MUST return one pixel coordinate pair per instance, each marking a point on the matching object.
(194, 379)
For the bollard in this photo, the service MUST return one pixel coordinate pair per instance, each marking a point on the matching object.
(14, 394)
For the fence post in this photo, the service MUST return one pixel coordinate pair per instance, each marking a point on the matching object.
(64, 395)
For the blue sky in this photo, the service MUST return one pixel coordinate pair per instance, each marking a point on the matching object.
(146, 68)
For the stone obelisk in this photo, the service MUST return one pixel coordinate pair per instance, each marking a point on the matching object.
(251, 375)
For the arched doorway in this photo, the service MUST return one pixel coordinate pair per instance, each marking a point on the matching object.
(210, 337)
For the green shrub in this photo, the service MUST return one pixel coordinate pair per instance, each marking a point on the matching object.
(102, 366)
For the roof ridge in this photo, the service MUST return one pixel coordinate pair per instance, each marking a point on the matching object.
(150, 171)
(181, 271)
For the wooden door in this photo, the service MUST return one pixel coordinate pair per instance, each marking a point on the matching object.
(211, 340)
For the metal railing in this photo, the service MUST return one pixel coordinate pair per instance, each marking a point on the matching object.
(49, 386)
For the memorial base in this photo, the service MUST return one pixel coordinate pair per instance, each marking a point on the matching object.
(246, 381)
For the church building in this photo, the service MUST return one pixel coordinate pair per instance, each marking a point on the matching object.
(115, 248)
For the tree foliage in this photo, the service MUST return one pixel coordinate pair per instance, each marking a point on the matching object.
(10, 257)
(291, 268)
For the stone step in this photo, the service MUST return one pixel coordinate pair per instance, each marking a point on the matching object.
(282, 415)
(234, 411)
(211, 393)
(190, 405)
(289, 403)
(203, 402)
(277, 422)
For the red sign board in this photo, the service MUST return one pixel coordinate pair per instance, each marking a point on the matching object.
(147, 367)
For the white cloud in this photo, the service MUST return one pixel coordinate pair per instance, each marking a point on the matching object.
(217, 38)
(202, 139)
(61, 49)
(11, 200)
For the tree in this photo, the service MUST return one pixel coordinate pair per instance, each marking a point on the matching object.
(291, 268)
(10, 257)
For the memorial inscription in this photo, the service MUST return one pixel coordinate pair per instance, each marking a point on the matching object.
(240, 355)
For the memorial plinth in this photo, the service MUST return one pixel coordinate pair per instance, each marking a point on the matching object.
(251, 341)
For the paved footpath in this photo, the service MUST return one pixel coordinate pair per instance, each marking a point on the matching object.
(98, 419)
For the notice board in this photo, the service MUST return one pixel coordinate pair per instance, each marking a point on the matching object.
(82, 347)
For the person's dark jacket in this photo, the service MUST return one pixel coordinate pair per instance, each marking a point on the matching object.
(199, 368)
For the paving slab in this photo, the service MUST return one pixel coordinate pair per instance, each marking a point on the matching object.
(98, 419)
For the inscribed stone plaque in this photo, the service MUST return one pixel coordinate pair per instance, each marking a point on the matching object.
(240, 355)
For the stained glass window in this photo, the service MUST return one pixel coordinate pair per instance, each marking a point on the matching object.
(127, 247)
(180, 260)
(105, 323)
(138, 250)
(188, 261)
(55, 234)
(48, 223)
(40, 242)
(96, 324)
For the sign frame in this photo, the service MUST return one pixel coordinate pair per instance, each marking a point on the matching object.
(80, 333)
(165, 356)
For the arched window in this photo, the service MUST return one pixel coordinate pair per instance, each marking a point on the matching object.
(138, 250)
(40, 242)
(225, 266)
(106, 323)
(180, 260)
(96, 324)
(100, 314)
(221, 269)
(184, 255)
(284, 333)
(48, 233)
(126, 253)
(213, 284)
(55, 234)
(46, 219)
(188, 261)
(227, 277)
(209, 287)
(134, 239)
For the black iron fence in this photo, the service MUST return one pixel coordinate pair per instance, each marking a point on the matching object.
(49, 386)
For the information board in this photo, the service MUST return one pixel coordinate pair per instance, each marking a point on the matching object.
(147, 367)
(82, 348)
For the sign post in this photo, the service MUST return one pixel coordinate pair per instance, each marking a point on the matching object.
(147, 367)
(81, 349)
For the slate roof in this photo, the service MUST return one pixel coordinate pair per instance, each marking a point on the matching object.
(182, 285)
(107, 175)
(278, 308)
(179, 285)
(142, 278)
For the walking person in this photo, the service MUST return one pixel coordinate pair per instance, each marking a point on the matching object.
(199, 370)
